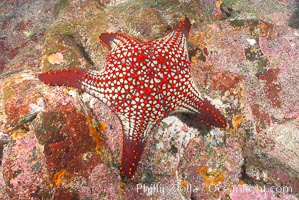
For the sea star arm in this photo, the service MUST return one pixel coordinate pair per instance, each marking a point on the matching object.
(135, 131)
(68, 77)
(89, 81)
(202, 108)
(183, 27)
(131, 155)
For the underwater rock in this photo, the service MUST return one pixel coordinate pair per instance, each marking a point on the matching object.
(56, 145)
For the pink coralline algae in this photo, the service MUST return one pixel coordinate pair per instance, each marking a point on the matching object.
(62, 143)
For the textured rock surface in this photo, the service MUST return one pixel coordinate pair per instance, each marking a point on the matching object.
(56, 143)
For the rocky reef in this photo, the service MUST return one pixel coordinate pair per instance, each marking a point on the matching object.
(60, 143)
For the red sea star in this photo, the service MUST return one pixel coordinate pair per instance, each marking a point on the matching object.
(142, 83)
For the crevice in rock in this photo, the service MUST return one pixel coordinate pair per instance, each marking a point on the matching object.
(72, 41)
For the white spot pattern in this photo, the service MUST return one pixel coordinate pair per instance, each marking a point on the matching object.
(144, 81)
